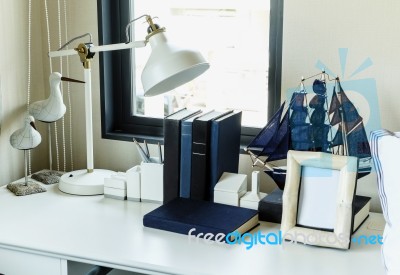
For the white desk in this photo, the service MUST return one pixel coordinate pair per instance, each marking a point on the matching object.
(46, 230)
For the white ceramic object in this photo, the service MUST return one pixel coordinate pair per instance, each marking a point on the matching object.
(151, 189)
(114, 193)
(52, 108)
(117, 180)
(27, 137)
(115, 186)
(252, 198)
(230, 188)
(133, 183)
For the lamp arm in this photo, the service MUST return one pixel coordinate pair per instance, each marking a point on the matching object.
(103, 48)
(120, 46)
(130, 23)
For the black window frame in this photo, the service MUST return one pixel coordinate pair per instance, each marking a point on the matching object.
(115, 76)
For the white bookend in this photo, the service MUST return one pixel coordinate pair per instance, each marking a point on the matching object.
(114, 193)
(151, 188)
(133, 183)
(230, 188)
(116, 181)
(115, 186)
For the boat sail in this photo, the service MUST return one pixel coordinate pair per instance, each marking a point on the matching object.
(351, 138)
(293, 128)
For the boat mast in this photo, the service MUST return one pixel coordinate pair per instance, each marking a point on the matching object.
(345, 147)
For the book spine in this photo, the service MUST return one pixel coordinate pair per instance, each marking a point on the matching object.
(224, 148)
(172, 149)
(199, 187)
(214, 157)
(270, 212)
(186, 159)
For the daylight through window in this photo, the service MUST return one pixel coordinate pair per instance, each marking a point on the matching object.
(232, 35)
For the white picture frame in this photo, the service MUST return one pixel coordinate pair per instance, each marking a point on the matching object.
(344, 171)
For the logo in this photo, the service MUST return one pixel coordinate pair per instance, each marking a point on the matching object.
(249, 240)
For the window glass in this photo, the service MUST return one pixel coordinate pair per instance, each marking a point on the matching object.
(233, 36)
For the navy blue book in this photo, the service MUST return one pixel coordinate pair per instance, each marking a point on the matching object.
(186, 156)
(200, 171)
(224, 147)
(270, 208)
(182, 215)
(172, 149)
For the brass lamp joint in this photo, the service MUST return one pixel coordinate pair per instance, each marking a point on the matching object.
(85, 54)
(153, 28)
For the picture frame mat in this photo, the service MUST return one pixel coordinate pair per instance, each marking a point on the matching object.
(316, 188)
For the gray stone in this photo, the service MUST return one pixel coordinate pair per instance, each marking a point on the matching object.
(20, 189)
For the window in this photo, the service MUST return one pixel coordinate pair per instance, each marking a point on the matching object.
(236, 37)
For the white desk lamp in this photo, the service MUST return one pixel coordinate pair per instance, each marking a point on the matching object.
(168, 67)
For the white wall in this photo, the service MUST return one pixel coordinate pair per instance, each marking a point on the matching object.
(13, 84)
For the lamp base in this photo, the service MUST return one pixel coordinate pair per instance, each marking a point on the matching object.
(84, 183)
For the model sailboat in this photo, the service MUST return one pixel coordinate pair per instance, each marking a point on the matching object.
(335, 128)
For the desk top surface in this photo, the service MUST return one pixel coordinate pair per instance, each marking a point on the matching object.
(99, 230)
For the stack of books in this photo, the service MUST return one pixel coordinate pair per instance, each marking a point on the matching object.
(198, 148)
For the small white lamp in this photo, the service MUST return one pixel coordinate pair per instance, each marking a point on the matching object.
(167, 68)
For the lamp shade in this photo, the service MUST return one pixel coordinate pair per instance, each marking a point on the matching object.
(169, 67)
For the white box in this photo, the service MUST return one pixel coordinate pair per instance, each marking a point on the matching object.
(115, 181)
(115, 186)
(133, 183)
(151, 187)
(114, 193)
(230, 188)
